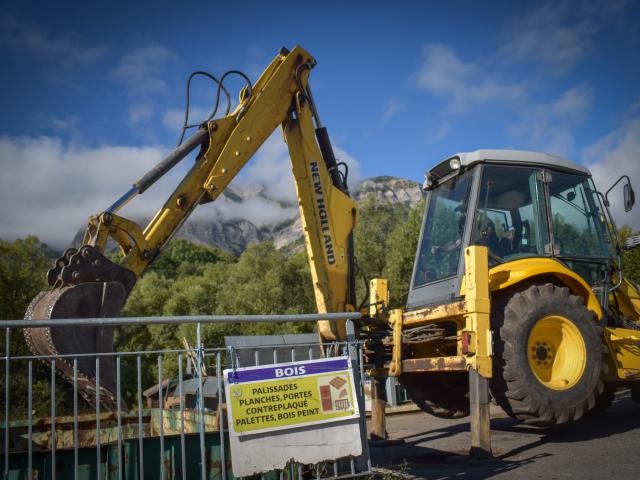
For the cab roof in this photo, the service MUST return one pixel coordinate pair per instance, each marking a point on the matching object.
(516, 157)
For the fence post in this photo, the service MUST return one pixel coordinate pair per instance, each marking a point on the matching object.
(354, 354)
(6, 402)
(199, 369)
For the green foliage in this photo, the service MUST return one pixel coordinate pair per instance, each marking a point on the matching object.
(182, 258)
(377, 221)
(23, 264)
(402, 245)
(386, 239)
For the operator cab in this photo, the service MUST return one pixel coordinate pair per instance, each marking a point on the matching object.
(518, 204)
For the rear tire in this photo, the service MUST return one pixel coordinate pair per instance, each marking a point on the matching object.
(604, 400)
(548, 356)
(441, 394)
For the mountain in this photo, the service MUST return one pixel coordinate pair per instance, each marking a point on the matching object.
(235, 234)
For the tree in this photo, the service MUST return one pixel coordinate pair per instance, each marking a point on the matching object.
(376, 222)
(23, 264)
(386, 238)
(183, 258)
(401, 250)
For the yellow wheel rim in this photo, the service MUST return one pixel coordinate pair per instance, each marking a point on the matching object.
(556, 352)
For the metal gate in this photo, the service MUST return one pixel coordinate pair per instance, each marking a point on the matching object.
(168, 427)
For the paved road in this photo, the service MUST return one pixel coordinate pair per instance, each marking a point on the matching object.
(596, 447)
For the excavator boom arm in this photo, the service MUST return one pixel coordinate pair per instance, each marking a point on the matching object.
(85, 283)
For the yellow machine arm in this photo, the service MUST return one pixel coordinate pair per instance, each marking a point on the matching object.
(282, 97)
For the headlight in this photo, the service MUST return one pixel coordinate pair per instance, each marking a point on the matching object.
(454, 163)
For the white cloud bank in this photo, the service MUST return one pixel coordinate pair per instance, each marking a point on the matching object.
(49, 188)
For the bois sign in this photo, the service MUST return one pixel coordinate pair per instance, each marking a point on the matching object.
(287, 396)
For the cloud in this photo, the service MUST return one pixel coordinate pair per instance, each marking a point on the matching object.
(611, 156)
(392, 107)
(271, 168)
(548, 126)
(139, 113)
(535, 121)
(141, 69)
(256, 207)
(557, 35)
(64, 48)
(633, 110)
(257, 60)
(550, 35)
(64, 123)
(173, 118)
(437, 133)
(267, 186)
(463, 84)
(573, 104)
(50, 188)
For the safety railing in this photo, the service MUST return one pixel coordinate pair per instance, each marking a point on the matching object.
(179, 433)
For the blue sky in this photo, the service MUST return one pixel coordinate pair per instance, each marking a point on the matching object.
(93, 92)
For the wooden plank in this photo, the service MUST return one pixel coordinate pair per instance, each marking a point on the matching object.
(378, 404)
(479, 416)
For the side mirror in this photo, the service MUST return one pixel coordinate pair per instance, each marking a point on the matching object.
(629, 197)
(628, 194)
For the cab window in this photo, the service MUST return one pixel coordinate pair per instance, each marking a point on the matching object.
(510, 217)
(578, 223)
(443, 230)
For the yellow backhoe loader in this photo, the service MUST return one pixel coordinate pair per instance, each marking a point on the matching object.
(549, 307)
(562, 331)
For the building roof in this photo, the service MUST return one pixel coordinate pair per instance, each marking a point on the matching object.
(519, 157)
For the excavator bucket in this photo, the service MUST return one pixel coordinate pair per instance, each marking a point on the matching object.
(85, 284)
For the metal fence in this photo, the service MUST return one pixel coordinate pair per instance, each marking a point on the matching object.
(179, 433)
